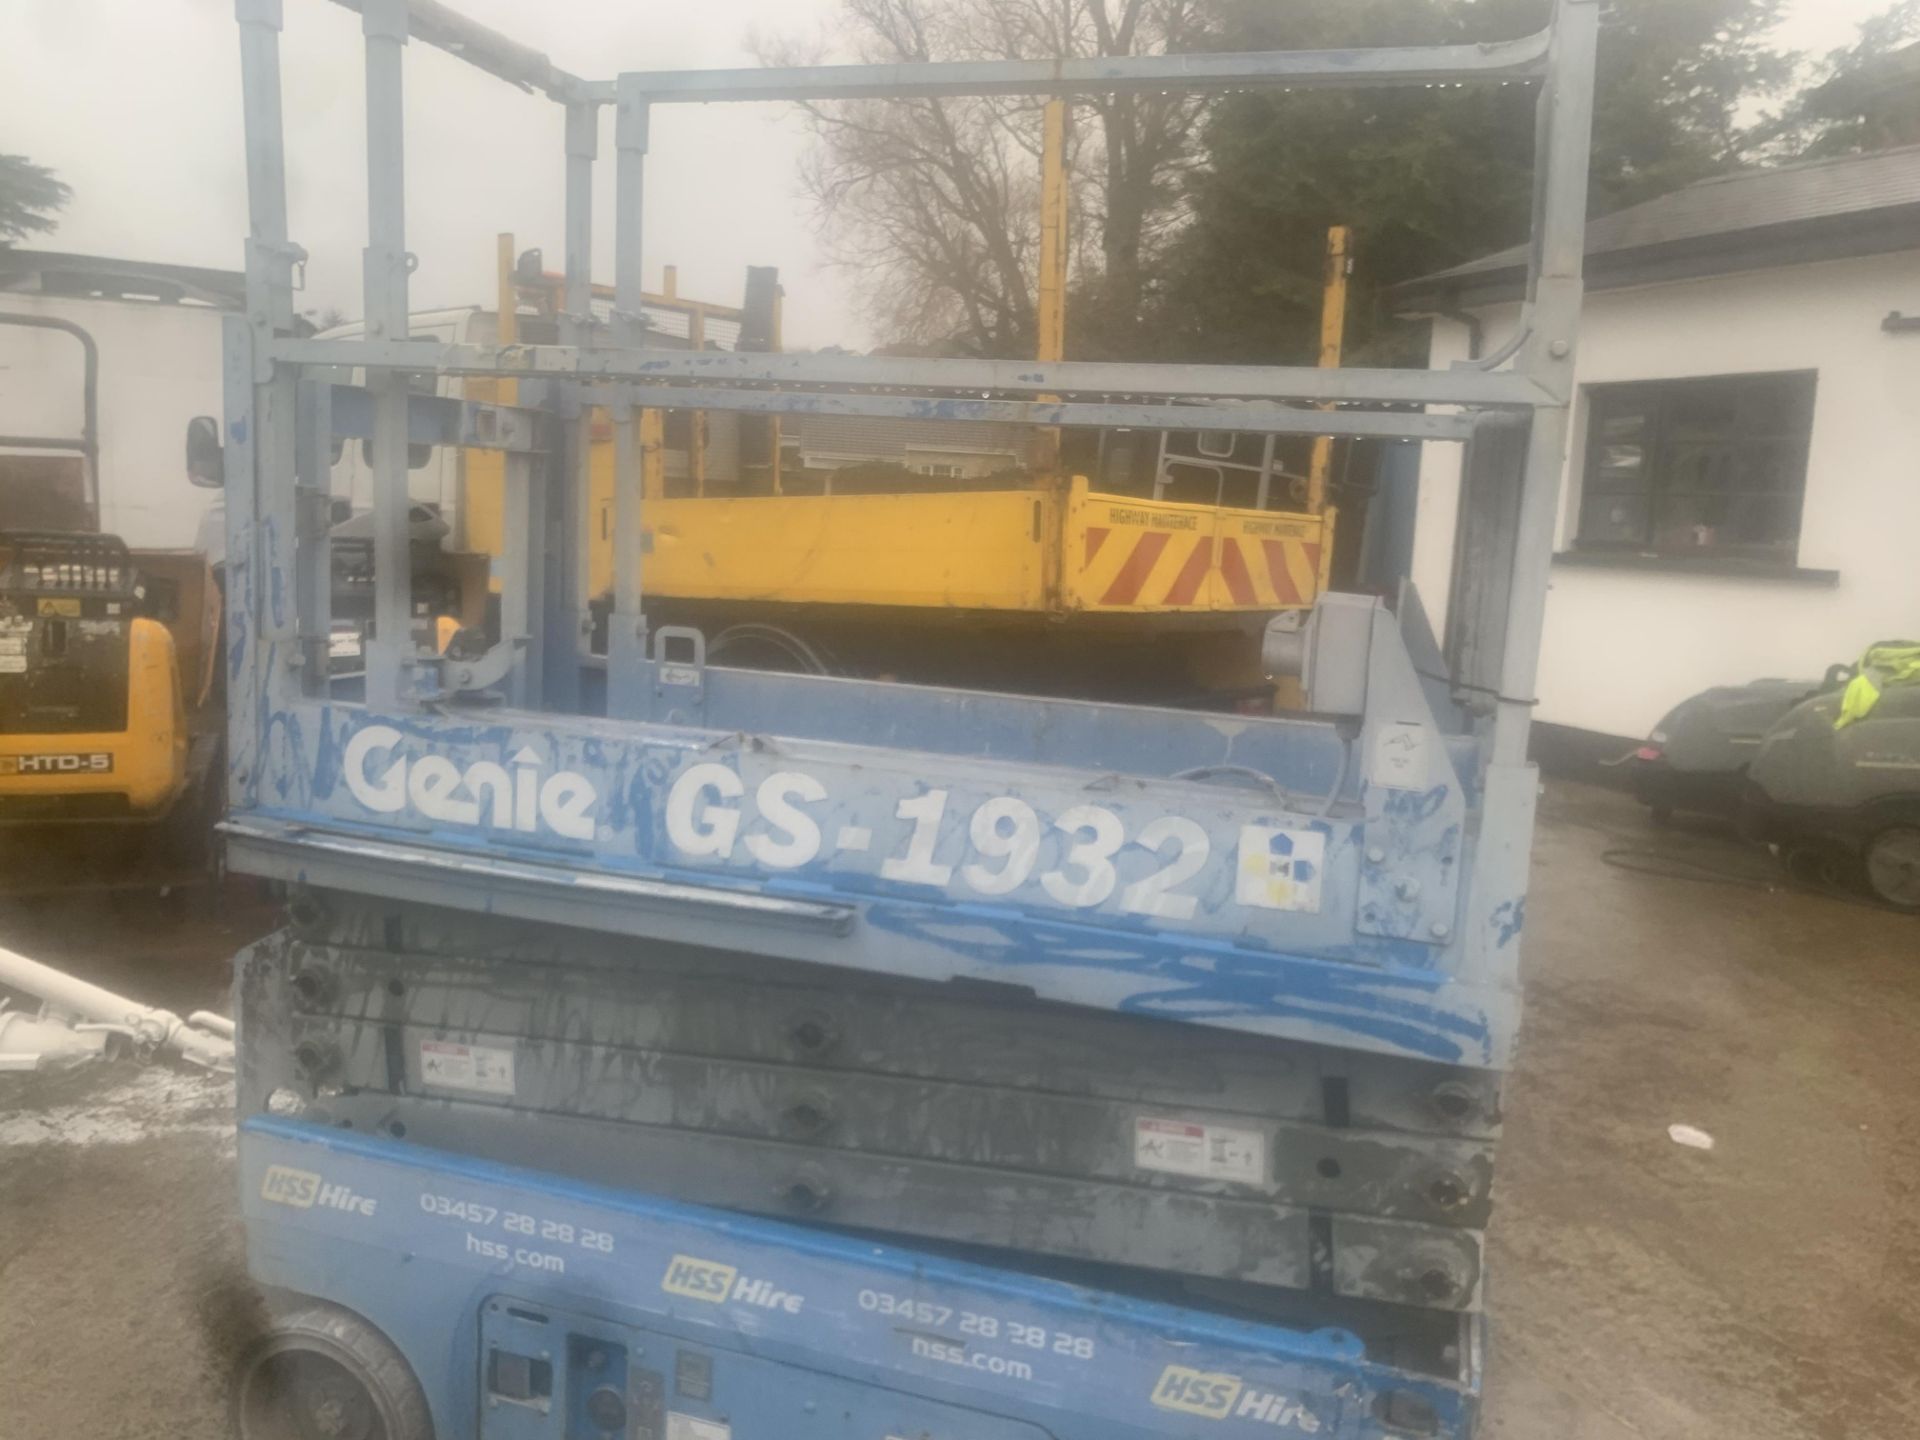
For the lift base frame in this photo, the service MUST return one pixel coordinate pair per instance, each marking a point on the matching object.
(713, 1326)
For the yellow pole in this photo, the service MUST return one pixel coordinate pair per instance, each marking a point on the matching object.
(480, 481)
(775, 341)
(1333, 334)
(1051, 307)
(697, 419)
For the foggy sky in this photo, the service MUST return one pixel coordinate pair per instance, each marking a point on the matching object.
(136, 105)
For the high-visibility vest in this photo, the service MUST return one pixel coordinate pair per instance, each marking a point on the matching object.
(1881, 666)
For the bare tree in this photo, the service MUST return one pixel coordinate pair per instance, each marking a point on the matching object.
(936, 201)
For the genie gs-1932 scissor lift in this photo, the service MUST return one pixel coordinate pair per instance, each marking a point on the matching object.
(683, 1053)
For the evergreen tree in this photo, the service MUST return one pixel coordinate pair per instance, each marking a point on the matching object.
(29, 196)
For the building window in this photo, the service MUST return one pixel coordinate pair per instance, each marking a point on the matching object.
(1714, 467)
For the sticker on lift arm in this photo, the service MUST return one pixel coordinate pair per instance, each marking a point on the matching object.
(1280, 869)
(483, 1069)
(1402, 757)
(1204, 1152)
(681, 1426)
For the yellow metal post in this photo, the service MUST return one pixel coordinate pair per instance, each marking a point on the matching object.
(697, 419)
(479, 475)
(1051, 308)
(1333, 334)
(774, 344)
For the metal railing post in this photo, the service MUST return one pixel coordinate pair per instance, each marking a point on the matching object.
(312, 527)
(386, 265)
(259, 455)
(627, 629)
(1565, 128)
(567, 642)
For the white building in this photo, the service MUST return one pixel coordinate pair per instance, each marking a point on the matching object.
(158, 332)
(1742, 493)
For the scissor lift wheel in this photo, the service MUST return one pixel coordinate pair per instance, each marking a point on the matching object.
(323, 1373)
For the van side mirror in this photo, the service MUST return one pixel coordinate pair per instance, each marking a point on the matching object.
(206, 462)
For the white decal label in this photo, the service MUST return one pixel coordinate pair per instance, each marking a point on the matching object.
(692, 1427)
(1402, 757)
(484, 794)
(13, 664)
(96, 762)
(1280, 869)
(1204, 1152)
(998, 848)
(13, 644)
(483, 1069)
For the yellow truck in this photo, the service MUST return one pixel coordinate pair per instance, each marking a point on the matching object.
(910, 549)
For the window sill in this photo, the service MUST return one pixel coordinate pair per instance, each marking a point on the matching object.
(1725, 567)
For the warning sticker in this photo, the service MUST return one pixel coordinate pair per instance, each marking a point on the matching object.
(1205, 1152)
(13, 644)
(13, 664)
(484, 1069)
(1402, 757)
(691, 1427)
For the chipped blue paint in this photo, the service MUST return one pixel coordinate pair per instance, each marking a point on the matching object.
(1186, 979)
(1508, 920)
(276, 581)
(1416, 806)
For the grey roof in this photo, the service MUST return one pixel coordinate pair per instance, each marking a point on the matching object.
(1818, 210)
(56, 272)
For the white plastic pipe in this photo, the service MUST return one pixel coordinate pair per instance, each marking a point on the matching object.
(95, 1006)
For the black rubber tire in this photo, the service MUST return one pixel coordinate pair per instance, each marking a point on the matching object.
(1891, 864)
(323, 1373)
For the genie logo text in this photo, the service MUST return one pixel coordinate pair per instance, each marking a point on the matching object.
(484, 794)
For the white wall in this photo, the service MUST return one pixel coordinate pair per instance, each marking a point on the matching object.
(159, 367)
(1624, 646)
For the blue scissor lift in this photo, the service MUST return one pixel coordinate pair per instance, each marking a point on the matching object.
(682, 1053)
